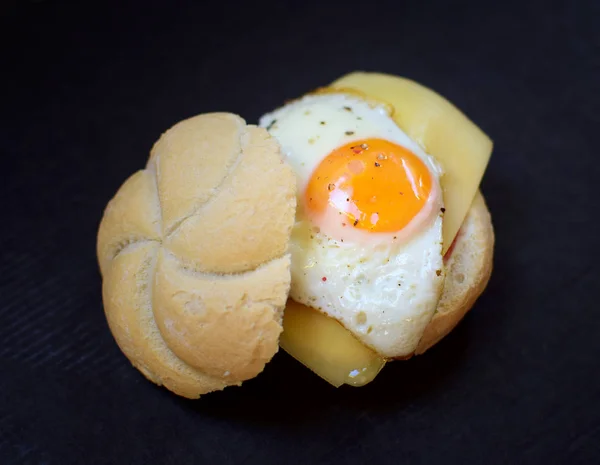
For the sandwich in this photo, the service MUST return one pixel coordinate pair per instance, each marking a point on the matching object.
(346, 227)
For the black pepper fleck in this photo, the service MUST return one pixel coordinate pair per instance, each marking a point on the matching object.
(377, 165)
(330, 186)
(347, 108)
(438, 272)
(349, 133)
(355, 222)
(322, 123)
(443, 210)
(271, 124)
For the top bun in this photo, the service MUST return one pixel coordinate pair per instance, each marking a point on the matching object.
(193, 254)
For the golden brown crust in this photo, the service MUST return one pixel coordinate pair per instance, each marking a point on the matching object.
(193, 254)
(468, 271)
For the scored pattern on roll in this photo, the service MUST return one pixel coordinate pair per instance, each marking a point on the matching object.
(193, 254)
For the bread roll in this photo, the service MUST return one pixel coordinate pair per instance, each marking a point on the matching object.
(468, 270)
(193, 254)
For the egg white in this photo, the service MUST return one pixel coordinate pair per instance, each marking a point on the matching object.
(383, 287)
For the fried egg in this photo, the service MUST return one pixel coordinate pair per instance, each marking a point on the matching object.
(366, 247)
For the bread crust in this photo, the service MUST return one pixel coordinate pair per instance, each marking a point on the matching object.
(193, 254)
(468, 270)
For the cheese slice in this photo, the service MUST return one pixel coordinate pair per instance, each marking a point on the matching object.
(441, 129)
(327, 348)
(463, 150)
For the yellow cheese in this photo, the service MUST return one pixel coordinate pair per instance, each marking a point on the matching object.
(327, 348)
(463, 150)
(441, 129)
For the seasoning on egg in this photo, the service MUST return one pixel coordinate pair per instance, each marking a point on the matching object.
(271, 124)
(345, 162)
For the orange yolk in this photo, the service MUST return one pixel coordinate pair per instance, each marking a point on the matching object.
(377, 185)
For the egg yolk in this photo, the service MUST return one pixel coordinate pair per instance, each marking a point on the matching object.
(374, 184)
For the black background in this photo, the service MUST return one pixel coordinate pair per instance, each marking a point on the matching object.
(88, 87)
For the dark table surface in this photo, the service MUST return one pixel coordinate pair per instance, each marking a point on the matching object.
(88, 87)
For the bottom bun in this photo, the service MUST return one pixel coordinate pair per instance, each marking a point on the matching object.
(468, 270)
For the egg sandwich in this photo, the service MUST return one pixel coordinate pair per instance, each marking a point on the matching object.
(347, 227)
